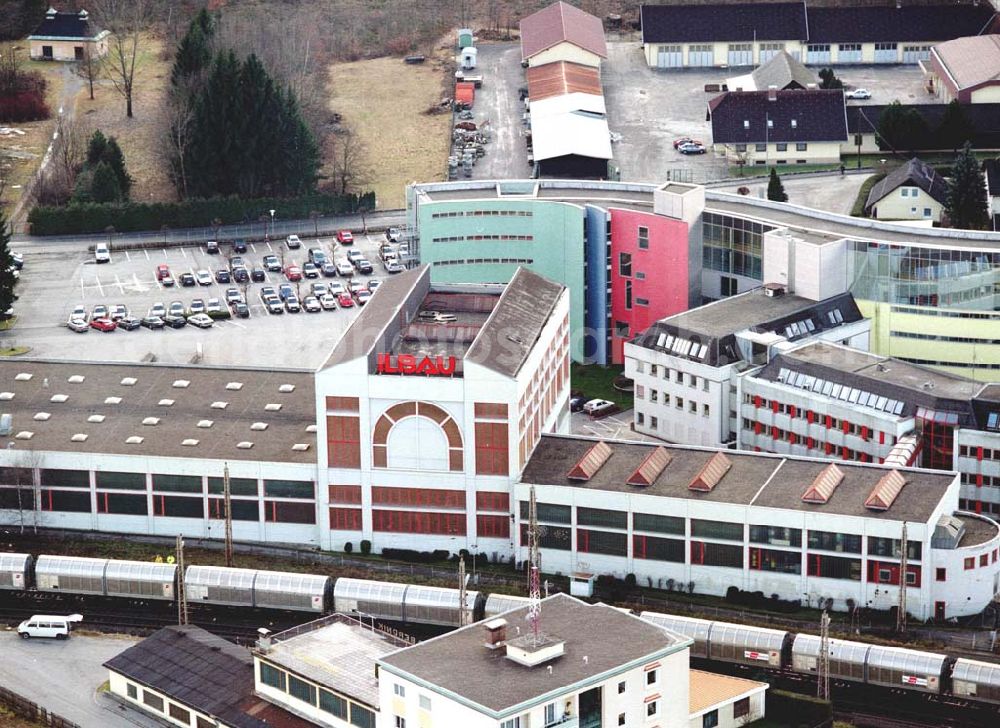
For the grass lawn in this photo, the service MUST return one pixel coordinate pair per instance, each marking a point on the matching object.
(858, 210)
(383, 100)
(138, 136)
(8, 324)
(14, 350)
(596, 382)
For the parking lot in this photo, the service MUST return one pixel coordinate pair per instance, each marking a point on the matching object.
(53, 283)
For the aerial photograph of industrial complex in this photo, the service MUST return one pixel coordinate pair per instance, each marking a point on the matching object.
(499, 363)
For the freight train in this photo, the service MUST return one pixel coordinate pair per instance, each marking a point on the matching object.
(754, 647)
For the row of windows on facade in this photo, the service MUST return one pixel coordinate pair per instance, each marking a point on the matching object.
(316, 697)
(721, 530)
(779, 146)
(157, 703)
(979, 453)
(812, 417)
(166, 483)
(978, 506)
(484, 261)
(679, 377)
(483, 213)
(776, 434)
(654, 398)
(422, 522)
(473, 238)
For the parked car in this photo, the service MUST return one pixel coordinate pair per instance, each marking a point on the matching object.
(102, 253)
(353, 255)
(175, 322)
(363, 296)
(309, 270)
(233, 295)
(272, 263)
(240, 274)
(317, 256)
(859, 93)
(78, 325)
(152, 322)
(257, 274)
(345, 300)
(79, 313)
(212, 247)
(292, 304)
(393, 235)
(129, 323)
(18, 260)
(363, 266)
(328, 302)
(158, 309)
(201, 320)
(203, 277)
(596, 407)
(691, 148)
(293, 242)
(355, 285)
(163, 275)
(311, 304)
(317, 289)
(394, 266)
(576, 403)
(684, 140)
(213, 305)
(274, 305)
(176, 309)
(100, 311)
(222, 275)
(117, 311)
(239, 245)
(41, 625)
(345, 268)
(373, 284)
(241, 310)
(285, 291)
(197, 306)
(335, 288)
(345, 237)
(268, 292)
(328, 269)
(293, 273)
(187, 280)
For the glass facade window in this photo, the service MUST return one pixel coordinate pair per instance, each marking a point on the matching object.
(121, 481)
(658, 524)
(548, 512)
(601, 517)
(833, 567)
(784, 562)
(829, 541)
(716, 529)
(289, 489)
(776, 535)
(237, 486)
(272, 676)
(362, 717)
(892, 547)
(716, 554)
(658, 549)
(177, 483)
(733, 245)
(601, 542)
(302, 690)
(332, 704)
(65, 478)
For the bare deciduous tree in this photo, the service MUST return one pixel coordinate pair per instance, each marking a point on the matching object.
(176, 118)
(347, 161)
(125, 19)
(88, 68)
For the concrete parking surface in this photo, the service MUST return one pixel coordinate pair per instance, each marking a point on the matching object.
(829, 192)
(614, 427)
(498, 103)
(63, 677)
(52, 283)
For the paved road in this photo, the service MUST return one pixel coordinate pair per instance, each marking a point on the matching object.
(498, 102)
(63, 677)
(830, 192)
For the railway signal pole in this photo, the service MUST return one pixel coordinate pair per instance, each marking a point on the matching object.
(463, 612)
(901, 607)
(823, 661)
(227, 497)
(182, 607)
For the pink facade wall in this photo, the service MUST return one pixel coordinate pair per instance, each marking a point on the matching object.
(663, 266)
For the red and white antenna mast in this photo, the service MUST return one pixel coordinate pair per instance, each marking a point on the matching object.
(534, 567)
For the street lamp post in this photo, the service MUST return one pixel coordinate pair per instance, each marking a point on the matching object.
(272, 221)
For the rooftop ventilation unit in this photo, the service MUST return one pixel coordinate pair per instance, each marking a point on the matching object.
(220, 405)
(300, 446)
(79, 437)
(532, 650)
(244, 445)
(886, 490)
(129, 381)
(134, 440)
(112, 400)
(76, 379)
(591, 462)
(651, 467)
(312, 428)
(286, 388)
(272, 407)
(166, 403)
(234, 386)
(58, 398)
(824, 485)
(6, 396)
(496, 633)
(181, 384)
(715, 469)
(189, 442)
(24, 435)
(41, 416)
(151, 421)
(96, 419)
(23, 377)
(258, 426)
(774, 290)
(205, 423)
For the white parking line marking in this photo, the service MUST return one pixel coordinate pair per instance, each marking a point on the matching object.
(253, 247)
(183, 253)
(146, 252)
(83, 288)
(99, 286)
(121, 288)
(269, 247)
(167, 257)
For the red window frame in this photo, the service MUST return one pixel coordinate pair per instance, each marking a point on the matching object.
(343, 440)
(489, 501)
(970, 563)
(420, 497)
(448, 524)
(345, 519)
(492, 448)
(492, 526)
(941, 574)
(349, 494)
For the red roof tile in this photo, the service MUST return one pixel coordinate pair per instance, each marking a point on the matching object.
(558, 23)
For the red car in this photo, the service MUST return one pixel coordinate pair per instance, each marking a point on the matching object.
(103, 324)
(163, 275)
(685, 140)
(293, 273)
(344, 237)
(345, 300)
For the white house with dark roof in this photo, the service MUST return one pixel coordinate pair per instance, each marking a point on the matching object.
(562, 32)
(804, 529)
(67, 37)
(913, 191)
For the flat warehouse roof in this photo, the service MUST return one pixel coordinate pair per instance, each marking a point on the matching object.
(576, 132)
(752, 479)
(97, 407)
(562, 77)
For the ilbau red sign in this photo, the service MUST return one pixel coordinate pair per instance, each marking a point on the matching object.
(438, 366)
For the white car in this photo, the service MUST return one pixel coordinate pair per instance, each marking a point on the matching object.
(328, 302)
(102, 254)
(214, 305)
(293, 242)
(42, 625)
(311, 304)
(204, 278)
(80, 313)
(345, 268)
(859, 93)
(598, 406)
(201, 320)
(335, 288)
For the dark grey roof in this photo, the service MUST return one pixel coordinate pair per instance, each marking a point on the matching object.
(991, 168)
(717, 22)
(783, 72)
(202, 671)
(155, 392)
(985, 118)
(598, 639)
(67, 25)
(908, 23)
(913, 173)
(912, 385)
(504, 342)
(755, 479)
(715, 325)
(798, 115)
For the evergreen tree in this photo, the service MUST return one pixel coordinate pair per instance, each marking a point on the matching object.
(192, 56)
(105, 186)
(95, 149)
(956, 128)
(214, 136)
(828, 79)
(7, 279)
(901, 128)
(776, 190)
(114, 158)
(966, 199)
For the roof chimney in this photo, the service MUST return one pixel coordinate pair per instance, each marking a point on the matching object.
(264, 640)
(772, 93)
(774, 290)
(496, 634)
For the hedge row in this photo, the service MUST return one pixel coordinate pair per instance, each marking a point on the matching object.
(134, 216)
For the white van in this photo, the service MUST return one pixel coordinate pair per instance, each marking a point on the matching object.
(102, 254)
(42, 625)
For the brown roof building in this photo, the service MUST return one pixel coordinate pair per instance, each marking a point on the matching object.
(966, 69)
(562, 32)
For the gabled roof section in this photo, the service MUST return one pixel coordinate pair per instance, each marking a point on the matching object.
(73, 26)
(799, 115)
(562, 77)
(971, 61)
(823, 486)
(720, 23)
(650, 468)
(561, 23)
(914, 173)
(591, 462)
(710, 475)
(783, 72)
(886, 491)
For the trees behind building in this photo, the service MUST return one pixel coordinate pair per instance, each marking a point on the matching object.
(966, 199)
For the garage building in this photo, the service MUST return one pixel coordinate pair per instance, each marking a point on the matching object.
(966, 69)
